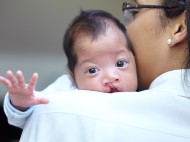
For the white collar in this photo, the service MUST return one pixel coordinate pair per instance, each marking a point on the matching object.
(173, 81)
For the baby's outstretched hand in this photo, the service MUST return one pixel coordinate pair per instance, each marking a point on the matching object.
(22, 94)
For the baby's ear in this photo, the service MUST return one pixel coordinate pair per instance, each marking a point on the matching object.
(71, 74)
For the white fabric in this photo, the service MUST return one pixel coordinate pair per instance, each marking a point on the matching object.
(18, 118)
(160, 114)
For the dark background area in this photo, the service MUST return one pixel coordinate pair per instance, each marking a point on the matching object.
(8, 133)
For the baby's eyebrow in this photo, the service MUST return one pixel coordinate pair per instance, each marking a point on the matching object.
(84, 62)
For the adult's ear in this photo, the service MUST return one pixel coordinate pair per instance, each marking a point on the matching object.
(180, 30)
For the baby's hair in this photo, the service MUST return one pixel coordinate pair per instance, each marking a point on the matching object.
(88, 22)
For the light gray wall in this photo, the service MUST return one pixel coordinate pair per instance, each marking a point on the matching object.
(31, 33)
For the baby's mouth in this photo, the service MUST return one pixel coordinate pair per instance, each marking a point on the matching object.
(113, 89)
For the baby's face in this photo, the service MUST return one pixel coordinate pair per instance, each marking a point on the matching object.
(105, 64)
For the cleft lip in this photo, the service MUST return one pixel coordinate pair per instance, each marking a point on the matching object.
(114, 89)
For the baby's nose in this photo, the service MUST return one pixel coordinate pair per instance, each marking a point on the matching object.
(110, 79)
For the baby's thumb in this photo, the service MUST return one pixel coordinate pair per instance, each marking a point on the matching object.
(42, 101)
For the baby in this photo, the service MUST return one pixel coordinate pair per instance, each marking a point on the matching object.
(99, 59)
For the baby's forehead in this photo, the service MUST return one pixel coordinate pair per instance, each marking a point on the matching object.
(103, 55)
(87, 45)
(110, 35)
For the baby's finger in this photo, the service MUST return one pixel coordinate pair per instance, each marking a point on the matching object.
(12, 79)
(33, 81)
(41, 101)
(6, 82)
(20, 78)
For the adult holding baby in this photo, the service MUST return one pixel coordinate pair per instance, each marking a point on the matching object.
(159, 33)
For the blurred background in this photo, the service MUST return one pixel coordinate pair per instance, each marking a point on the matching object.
(31, 34)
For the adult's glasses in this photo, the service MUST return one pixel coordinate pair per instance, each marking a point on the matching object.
(131, 9)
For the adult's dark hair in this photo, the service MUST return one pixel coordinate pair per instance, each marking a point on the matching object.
(188, 25)
(188, 37)
(88, 22)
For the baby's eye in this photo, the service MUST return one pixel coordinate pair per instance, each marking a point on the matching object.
(92, 70)
(121, 64)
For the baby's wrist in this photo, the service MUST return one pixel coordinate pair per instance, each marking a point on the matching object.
(19, 107)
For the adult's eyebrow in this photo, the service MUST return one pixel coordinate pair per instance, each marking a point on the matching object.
(133, 1)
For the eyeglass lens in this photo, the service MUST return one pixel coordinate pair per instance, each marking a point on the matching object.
(127, 16)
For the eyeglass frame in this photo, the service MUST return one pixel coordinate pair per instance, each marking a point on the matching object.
(128, 6)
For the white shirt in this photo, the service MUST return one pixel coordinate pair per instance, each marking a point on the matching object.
(160, 114)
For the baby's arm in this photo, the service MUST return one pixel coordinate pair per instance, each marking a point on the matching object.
(18, 118)
(20, 98)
